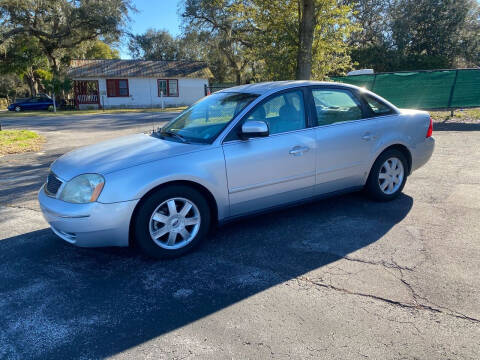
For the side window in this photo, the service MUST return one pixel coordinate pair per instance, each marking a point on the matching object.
(282, 113)
(123, 87)
(117, 88)
(334, 106)
(377, 107)
(167, 87)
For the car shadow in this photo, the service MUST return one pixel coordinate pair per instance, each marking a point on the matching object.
(58, 301)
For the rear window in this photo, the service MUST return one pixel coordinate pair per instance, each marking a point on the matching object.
(335, 105)
(378, 107)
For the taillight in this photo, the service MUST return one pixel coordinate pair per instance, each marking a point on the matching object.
(430, 128)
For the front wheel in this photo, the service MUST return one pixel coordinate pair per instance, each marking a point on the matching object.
(18, 109)
(171, 221)
(388, 176)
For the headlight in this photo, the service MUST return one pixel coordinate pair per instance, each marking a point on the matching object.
(83, 189)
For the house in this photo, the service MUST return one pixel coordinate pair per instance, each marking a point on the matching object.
(137, 83)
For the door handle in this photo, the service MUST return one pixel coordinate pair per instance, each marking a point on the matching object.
(299, 150)
(368, 137)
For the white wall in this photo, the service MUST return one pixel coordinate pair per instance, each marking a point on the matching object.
(143, 93)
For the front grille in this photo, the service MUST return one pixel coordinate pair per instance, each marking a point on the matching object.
(53, 184)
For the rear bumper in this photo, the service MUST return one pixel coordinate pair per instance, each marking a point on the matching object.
(88, 225)
(422, 153)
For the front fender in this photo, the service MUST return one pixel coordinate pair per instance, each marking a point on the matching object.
(205, 167)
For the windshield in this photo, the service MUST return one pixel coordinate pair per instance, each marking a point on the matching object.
(204, 120)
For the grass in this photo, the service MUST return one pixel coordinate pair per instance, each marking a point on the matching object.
(462, 115)
(19, 141)
(86, 112)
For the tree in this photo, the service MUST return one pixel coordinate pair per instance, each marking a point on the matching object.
(306, 10)
(192, 45)
(54, 85)
(101, 50)
(372, 19)
(60, 25)
(204, 46)
(11, 87)
(433, 28)
(415, 34)
(155, 45)
(23, 58)
(281, 39)
(224, 21)
(288, 48)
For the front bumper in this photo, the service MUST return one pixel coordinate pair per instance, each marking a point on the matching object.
(88, 225)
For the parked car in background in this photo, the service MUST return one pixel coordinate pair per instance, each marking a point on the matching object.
(41, 102)
(239, 151)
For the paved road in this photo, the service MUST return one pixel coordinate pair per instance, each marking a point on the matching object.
(343, 278)
(63, 133)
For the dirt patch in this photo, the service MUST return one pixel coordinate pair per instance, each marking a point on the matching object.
(462, 120)
(19, 141)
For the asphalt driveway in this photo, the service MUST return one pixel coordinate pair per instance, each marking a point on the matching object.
(343, 278)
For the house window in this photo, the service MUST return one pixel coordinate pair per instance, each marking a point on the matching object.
(117, 87)
(169, 87)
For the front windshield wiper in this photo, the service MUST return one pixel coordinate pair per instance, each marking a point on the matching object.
(173, 134)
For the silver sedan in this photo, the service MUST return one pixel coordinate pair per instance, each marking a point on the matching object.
(240, 151)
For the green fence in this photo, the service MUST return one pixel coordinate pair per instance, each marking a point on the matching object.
(436, 89)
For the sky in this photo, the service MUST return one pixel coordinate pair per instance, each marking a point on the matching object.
(157, 14)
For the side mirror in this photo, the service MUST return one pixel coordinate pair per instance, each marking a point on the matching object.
(252, 129)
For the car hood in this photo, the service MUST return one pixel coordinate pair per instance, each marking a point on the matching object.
(116, 154)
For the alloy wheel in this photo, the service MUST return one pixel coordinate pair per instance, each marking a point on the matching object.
(391, 175)
(174, 223)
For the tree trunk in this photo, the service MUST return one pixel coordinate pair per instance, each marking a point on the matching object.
(53, 63)
(238, 76)
(306, 29)
(32, 85)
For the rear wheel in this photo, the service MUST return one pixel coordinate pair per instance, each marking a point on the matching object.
(18, 108)
(171, 222)
(388, 176)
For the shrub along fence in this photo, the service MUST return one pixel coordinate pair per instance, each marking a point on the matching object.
(426, 89)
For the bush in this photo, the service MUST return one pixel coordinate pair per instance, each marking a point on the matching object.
(3, 103)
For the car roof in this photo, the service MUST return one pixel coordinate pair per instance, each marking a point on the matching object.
(264, 87)
(269, 87)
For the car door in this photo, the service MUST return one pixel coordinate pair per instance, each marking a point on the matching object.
(345, 139)
(44, 103)
(28, 104)
(32, 104)
(269, 171)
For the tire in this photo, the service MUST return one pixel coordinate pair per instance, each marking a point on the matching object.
(387, 176)
(18, 109)
(162, 231)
